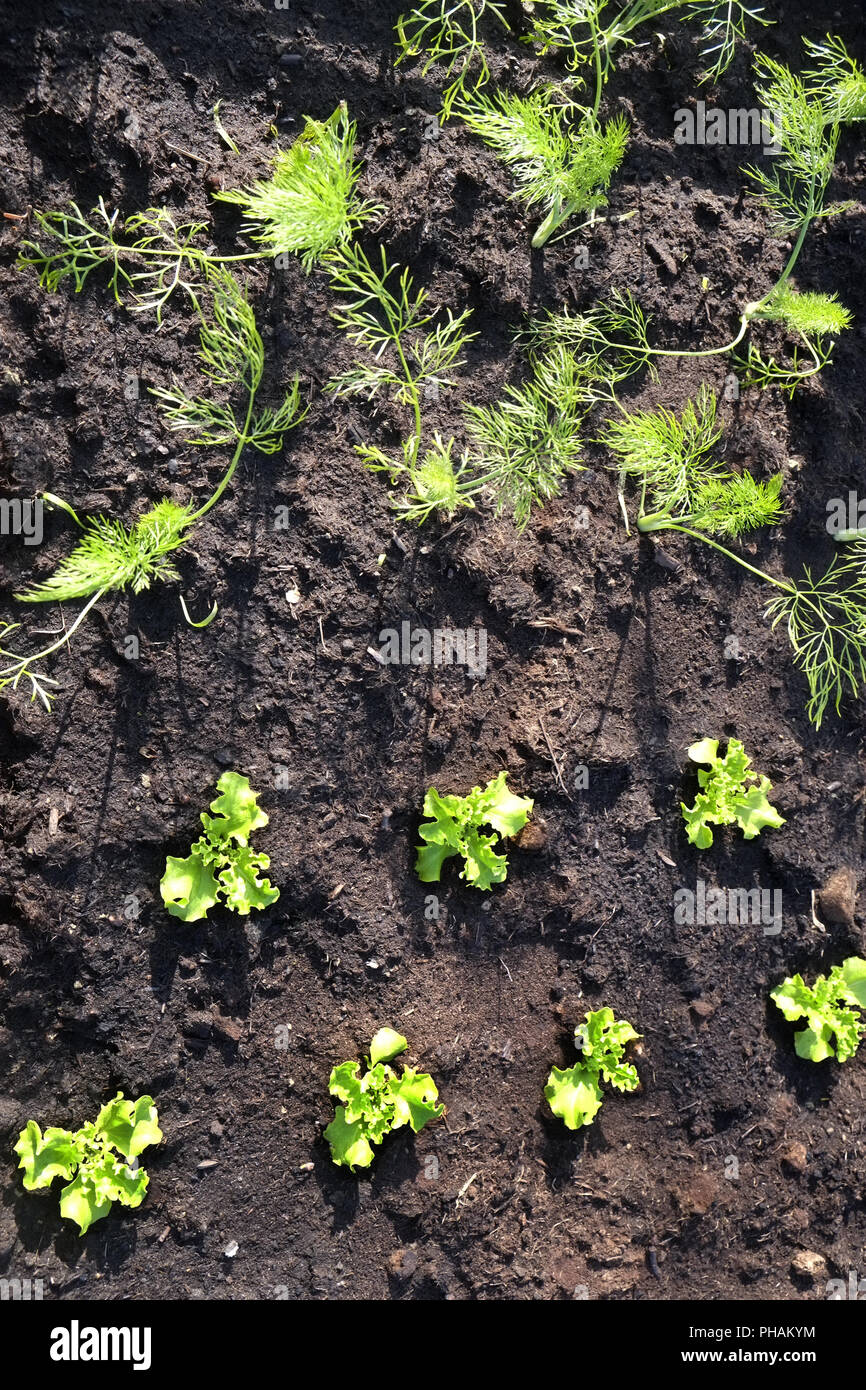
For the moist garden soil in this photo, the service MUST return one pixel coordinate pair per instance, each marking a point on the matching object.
(605, 652)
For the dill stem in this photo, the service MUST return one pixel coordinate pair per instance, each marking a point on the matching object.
(661, 521)
(599, 81)
(63, 640)
(229, 473)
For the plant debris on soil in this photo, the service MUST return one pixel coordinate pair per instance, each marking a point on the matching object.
(736, 1170)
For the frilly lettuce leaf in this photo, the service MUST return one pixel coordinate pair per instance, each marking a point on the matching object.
(47, 1156)
(97, 1186)
(414, 1096)
(236, 811)
(386, 1045)
(454, 827)
(129, 1126)
(96, 1177)
(79, 1202)
(349, 1146)
(242, 886)
(725, 798)
(503, 810)
(188, 887)
(377, 1101)
(573, 1095)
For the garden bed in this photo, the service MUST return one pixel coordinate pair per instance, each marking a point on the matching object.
(605, 651)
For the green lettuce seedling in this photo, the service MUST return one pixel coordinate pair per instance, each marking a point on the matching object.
(377, 1102)
(221, 863)
(87, 1160)
(455, 828)
(724, 798)
(574, 1094)
(826, 1007)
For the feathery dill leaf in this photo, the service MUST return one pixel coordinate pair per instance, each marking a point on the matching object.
(526, 443)
(566, 169)
(559, 25)
(736, 503)
(838, 81)
(794, 188)
(807, 312)
(825, 619)
(310, 204)
(609, 341)
(112, 556)
(448, 32)
(670, 455)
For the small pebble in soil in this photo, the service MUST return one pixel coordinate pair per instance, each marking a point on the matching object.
(231, 1249)
(809, 1265)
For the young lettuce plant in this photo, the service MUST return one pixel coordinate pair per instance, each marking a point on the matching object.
(377, 1102)
(559, 166)
(683, 490)
(221, 863)
(830, 1007)
(726, 796)
(447, 33)
(574, 1094)
(88, 1161)
(455, 828)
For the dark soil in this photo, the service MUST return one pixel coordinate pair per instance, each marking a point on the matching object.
(104, 99)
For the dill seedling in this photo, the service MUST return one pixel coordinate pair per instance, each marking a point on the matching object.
(683, 490)
(406, 352)
(588, 32)
(447, 32)
(525, 444)
(112, 556)
(564, 169)
(794, 193)
(520, 447)
(310, 204)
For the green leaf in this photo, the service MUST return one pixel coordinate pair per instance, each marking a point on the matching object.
(503, 810)
(602, 1040)
(854, 976)
(79, 1202)
(430, 858)
(377, 1101)
(454, 828)
(829, 1022)
(45, 1157)
(345, 1084)
(241, 884)
(483, 867)
(574, 1095)
(188, 888)
(349, 1147)
(793, 997)
(221, 861)
(814, 1046)
(753, 811)
(309, 205)
(129, 1126)
(414, 1096)
(726, 796)
(385, 1045)
(236, 811)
